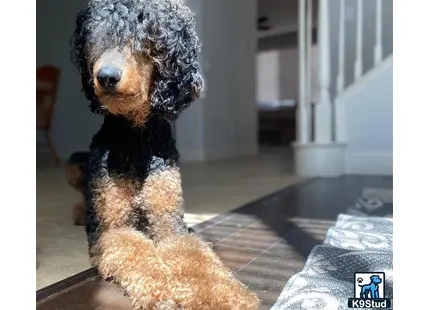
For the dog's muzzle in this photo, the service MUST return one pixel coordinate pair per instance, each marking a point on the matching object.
(110, 72)
(109, 77)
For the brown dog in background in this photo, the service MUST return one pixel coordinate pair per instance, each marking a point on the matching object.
(75, 171)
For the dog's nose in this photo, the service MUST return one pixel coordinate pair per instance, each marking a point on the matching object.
(109, 77)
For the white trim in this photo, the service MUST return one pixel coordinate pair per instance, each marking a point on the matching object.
(302, 126)
(358, 65)
(323, 109)
(369, 163)
(319, 159)
(309, 68)
(340, 82)
(221, 154)
(378, 35)
(313, 145)
(199, 155)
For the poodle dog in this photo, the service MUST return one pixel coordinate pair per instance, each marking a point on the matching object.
(139, 62)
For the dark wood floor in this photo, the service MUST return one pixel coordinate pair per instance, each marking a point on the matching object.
(264, 242)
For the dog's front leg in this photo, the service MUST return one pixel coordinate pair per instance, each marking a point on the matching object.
(129, 259)
(120, 253)
(162, 203)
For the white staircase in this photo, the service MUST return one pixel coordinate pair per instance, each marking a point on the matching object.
(346, 130)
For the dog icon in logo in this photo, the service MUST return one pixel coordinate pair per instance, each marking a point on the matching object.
(371, 289)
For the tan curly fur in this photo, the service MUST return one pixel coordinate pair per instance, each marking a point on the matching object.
(114, 202)
(132, 97)
(180, 272)
(161, 198)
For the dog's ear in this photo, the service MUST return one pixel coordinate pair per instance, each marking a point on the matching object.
(178, 79)
(78, 46)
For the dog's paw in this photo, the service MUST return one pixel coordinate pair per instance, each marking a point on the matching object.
(150, 304)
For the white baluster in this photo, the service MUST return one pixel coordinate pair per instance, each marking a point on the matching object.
(378, 37)
(341, 67)
(358, 68)
(323, 117)
(302, 118)
(339, 112)
(309, 67)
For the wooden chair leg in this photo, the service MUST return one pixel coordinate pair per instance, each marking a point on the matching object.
(51, 147)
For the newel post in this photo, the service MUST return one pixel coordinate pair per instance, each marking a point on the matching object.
(323, 107)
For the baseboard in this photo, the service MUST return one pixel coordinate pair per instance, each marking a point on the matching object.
(219, 154)
(188, 155)
(191, 155)
(369, 163)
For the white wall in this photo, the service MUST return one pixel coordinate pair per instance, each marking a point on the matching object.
(369, 121)
(268, 74)
(278, 66)
(223, 123)
(189, 128)
(278, 74)
(73, 123)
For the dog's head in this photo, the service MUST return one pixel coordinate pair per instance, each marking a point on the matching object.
(137, 57)
(375, 279)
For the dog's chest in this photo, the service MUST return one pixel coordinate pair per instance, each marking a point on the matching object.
(117, 163)
(120, 149)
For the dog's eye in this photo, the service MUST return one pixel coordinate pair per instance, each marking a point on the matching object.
(140, 17)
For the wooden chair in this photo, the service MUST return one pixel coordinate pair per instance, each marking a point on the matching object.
(47, 80)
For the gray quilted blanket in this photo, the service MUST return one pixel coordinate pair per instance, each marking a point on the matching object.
(358, 242)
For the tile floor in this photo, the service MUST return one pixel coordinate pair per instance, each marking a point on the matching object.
(209, 189)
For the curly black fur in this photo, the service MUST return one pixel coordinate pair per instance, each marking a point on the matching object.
(163, 30)
(134, 153)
